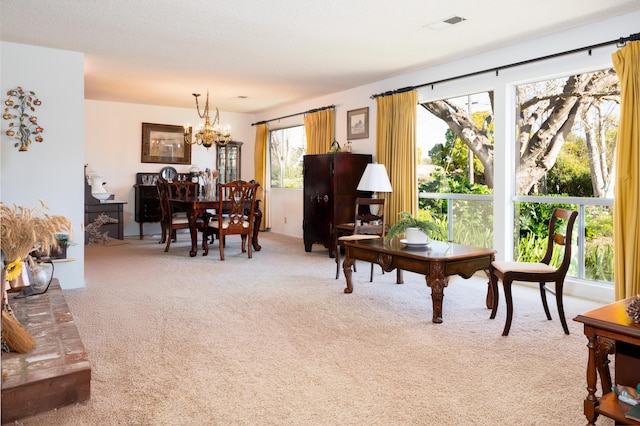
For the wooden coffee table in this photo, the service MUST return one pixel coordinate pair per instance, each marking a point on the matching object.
(437, 261)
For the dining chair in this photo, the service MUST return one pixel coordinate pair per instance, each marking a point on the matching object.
(163, 199)
(183, 188)
(558, 247)
(368, 223)
(171, 221)
(235, 214)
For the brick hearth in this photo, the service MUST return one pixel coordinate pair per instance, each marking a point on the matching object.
(57, 371)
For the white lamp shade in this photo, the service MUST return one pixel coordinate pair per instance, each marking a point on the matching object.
(375, 179)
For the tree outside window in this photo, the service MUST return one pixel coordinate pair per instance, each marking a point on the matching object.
(456, 157)
(287, 148)
(566, 132)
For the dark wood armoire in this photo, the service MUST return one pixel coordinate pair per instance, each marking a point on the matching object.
(330, 182)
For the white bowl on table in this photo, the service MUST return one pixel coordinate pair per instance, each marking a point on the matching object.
(102, 196)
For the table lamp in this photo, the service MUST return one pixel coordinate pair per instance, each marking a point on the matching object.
(375, 179)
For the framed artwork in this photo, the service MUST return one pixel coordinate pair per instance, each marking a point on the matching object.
(165, 143)
(358, 123)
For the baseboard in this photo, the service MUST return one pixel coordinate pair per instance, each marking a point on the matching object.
(588, 290)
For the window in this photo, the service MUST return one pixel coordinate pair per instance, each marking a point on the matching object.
(287, 147)
(561, 123)
(565, 148)
(445, 132)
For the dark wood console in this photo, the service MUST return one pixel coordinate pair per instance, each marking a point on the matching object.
(147, 202)
(94, 208)
(110, 208)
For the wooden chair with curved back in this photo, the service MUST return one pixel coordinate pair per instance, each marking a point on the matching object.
(183, 189)
(163, 199)
(235, 214)
(170, 221)
(541, 272)
(366, 225)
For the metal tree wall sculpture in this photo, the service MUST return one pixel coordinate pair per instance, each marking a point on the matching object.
(19, 105)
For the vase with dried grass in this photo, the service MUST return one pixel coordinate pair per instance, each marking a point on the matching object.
(23, 230)
(209, 177)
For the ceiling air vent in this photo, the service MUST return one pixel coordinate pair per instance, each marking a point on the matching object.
(445, 23)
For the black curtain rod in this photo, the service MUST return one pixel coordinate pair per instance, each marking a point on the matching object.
(620, 42)
(298, 113)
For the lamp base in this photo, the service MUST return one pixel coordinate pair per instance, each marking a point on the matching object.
(374, 208)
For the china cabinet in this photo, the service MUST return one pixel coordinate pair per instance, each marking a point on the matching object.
(228, 161)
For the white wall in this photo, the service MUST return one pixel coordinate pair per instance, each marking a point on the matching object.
(51, 170)
(113, 132)
(286, 213)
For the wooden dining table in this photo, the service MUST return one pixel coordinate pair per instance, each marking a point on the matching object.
(197, 206)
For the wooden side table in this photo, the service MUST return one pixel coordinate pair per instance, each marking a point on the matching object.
(611, 322)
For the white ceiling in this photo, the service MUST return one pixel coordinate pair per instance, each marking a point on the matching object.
(275, 52)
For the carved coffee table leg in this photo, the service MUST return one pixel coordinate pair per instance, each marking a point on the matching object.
(489, 300)
(437, 281)
(346, 268)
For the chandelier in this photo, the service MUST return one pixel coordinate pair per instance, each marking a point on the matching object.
(208, 134)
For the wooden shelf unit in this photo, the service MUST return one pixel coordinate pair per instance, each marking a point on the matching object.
(147, 207)
(611, 322)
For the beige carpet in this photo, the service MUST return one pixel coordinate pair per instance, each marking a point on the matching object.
(274, 340)
(115, 242)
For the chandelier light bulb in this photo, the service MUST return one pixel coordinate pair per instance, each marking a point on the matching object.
(208, 134)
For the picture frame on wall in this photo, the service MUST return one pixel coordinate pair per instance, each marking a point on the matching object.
(358, 123)
(165, 143)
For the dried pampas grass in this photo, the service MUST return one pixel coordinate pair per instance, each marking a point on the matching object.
(14, 334)
(23, 230)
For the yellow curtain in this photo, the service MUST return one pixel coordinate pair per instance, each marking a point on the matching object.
(396, 149)
(260, 173)
(320, 129)
(626, 204)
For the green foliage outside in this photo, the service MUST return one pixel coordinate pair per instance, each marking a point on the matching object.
(571, 174)
(292, 175)
(287, 147)
(598, 258)
(473, 222)
(533, 220)
(453, 155)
